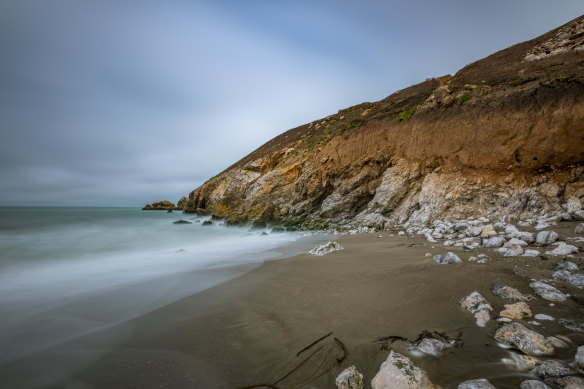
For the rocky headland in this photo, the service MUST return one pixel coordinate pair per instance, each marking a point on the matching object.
(502, 139)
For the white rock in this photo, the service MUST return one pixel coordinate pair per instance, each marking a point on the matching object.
(350, 378)
(515, 242)
(398, 372)
(546, 237)
(513, 251)
(576, 280)
(481, 383)
(478, 306)
(495, 242)
(573, 205)
(326, 248)
(542, 316)
(561, 275)
(566, 265)
(579, 229)
(530, 253)
(547, 292)
(563, 249)
(448, 259)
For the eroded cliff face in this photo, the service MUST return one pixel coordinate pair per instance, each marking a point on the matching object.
(503, 138)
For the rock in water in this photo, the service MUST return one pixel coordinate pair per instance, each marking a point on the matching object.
(326, 248)
(561, 275)
(182, 222)
(542, 316)
(478, 306)
(566, 265)
(579, 229)
(551, 368)
(577, 280)
(579, 358)
(513, 251)
(481, 383)
(516, 311)
(509, 293)
(523, 339)
(533, 384)
(398, 372)
(548, 292)
(546, 237)
(572, 325)
(432, 346)
(350, 378)
(563, 249)
(448, 259)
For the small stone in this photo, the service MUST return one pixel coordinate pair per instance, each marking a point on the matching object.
(504, 320)
(579, 229)
(488, 231)
(326, 248)
(541, 316)
(530, 253)
(509, 293)
(495, 242)
(523, 339)
(515, 242)
(533, 384)
(551, 368)
(350, 378)
(481, 383)
(546, 237)
(473, 231)
(398, 372)
(548, 292)
(432, 346)
(577, 280)
(516, 311)
(513, 251)
(557, 342)
(579, 358)
(566, 265)
(561, 275)
(572, 324)
(448, 259)
(563, 249)
(478, 306)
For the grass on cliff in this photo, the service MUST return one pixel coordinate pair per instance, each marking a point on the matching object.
(464, 98)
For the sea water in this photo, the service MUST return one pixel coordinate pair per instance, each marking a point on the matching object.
(68, 272)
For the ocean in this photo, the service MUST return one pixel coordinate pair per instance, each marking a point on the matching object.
(68, 272)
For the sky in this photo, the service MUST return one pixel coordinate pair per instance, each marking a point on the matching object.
(122, 103)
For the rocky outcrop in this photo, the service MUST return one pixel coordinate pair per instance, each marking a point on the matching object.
(501, 139)
(162, 205)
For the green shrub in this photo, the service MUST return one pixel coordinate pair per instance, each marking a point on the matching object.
(405, 115)
(464, 98)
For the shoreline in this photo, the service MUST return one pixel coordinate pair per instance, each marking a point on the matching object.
(248, 330)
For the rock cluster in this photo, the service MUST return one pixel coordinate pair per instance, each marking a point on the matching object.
(160, 206)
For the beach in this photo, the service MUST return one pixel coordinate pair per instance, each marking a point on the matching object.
(250, 329)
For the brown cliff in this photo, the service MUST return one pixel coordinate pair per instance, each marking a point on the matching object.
(504, 137)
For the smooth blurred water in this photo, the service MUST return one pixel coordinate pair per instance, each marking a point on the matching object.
(66, 272)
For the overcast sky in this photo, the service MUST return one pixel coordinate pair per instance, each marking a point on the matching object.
(107, 103)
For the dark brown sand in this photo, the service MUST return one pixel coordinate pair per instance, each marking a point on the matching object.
(249, 330)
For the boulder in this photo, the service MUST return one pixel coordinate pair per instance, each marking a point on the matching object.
(481, 383)
(523, 339)
(573, 205)
(533, 384)
(350, 378)
(546, 237)
(509, 293)
(548, 292)
(516, 311)
(566, 265)
(572, 324)
(579, 358)
(495, 242)
(398, 372)
(563, 249)
(551, 368)
(448, 259)
(577, 280)
(478, 306)
(515, 242)
(513, 251)
(561, 275)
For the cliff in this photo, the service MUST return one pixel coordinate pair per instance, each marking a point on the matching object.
(502, 138)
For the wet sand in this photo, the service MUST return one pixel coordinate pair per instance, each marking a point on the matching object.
(249, 330)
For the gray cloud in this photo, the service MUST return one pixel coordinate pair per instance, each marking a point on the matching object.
(123, 103)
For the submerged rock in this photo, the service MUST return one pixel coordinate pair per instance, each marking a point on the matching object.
(566, 265)
(533, 384)
(481, 383)
(398, 372)
(563, 249)
(516, 311)
(182, 222)
(350, 378)
(207, 223)
(432, 346)
(509, 293)
(326, 248)
(576, 280)
(448, 259)
(551, 368)
(561, 275)
(548, 292)
(523, 339)
(478, 306)
(579, 358)
(572, 324)
(579, 229)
